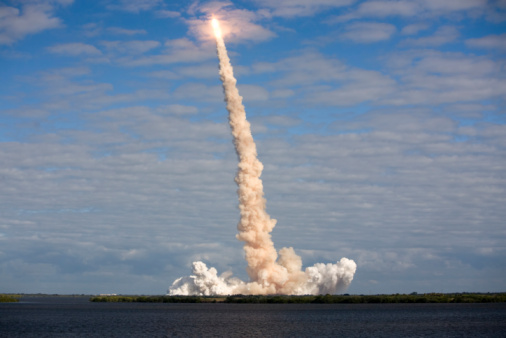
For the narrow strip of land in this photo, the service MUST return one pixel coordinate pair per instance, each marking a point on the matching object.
(320, 299)
(9, 298)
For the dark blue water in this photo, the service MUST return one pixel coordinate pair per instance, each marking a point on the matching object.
(76, 317)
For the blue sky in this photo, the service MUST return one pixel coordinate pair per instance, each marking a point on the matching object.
(381, 126)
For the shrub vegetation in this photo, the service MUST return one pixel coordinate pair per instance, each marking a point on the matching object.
(9, 298)
(320, 299)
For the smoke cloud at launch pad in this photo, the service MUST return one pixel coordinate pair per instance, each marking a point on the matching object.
(270, 271)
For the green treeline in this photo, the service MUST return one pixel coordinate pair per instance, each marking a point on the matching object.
(155, 299)
(371, 299)
(9, 298)
(321, 299)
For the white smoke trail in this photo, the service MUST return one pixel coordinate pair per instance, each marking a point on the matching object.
(269, 273)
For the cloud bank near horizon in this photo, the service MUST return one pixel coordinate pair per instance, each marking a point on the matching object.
(387, 150)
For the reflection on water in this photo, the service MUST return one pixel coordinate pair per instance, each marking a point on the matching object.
(75, 316)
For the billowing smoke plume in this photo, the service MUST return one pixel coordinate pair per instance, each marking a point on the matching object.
(269, 272)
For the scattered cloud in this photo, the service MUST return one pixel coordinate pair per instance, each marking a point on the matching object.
(325, 81)
(383, 9)
(470, 111)
(135, 6)
(163, 74)
(31, 18)
(303, 69)
(92, 29)
(416, 78)
(368, 32)
(358, 86)
(489, 41)
(403, 172)
(282, 93)
(380, 9)
(453, 5)
(496, 11)
(130, 47)
(178, 109)
(430, 77)
(414, 28)
(167, 14)
(74, 49)
(289, 8)
(253, 93)
(124, 31)
(408, 9)
(176, 51)
(199, 71)
(237, 25)
(109, 172)
(194, 91)
(443, 35)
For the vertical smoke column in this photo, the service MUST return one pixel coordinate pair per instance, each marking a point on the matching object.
(269, 275)
(255, 224)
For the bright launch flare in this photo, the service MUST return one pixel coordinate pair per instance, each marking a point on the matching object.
(269, 273)
(216, 28)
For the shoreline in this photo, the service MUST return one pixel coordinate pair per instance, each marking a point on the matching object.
(312, 299)
(460, 297)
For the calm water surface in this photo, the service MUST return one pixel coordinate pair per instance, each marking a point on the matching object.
(76, 317)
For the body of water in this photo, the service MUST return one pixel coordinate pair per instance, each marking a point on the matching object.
(77, 317)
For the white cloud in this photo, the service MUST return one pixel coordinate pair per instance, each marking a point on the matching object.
(496, 11)
(281, 120)
(415, 78)
(103, 197)
(253, 93)
(380, 9)
(458, 64)
(237, 25)
(384, 9)
(305, 69)
(414, 28)
(130, 47)
(443, 35)
(357, 86)
(124, 31)
(291, 8)
(92, 29)
(282, 93)
(33, 18)
(407, 9)
(489, 41)
(453, 5)
(367, 32)
(431, 77)
(73, 90)
(200, 71)
(164, 74)
(108, 176)
(199, 91)
(74, 49)
(326, 81)
(178, 109)
(167, 14)
(469, 110)
(135, 6)
(176, 51)
(58, 85)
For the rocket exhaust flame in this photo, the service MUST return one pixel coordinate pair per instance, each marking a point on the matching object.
(269, 273)
(216, 28)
